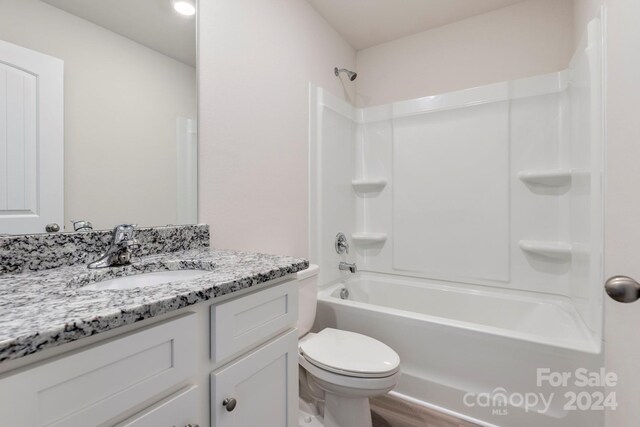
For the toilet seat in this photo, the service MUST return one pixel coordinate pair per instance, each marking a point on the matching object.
(349, 354)
(349, 386)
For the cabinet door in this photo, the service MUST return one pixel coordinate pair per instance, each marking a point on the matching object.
(260, 389)
(178, 410)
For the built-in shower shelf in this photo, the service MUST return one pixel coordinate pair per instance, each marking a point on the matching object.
(546, 177)
(369, 185)
(558, 250)
(365, 238)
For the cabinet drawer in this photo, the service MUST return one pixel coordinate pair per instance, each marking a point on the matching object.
(178, 410)
(245, 322)
(92, 386)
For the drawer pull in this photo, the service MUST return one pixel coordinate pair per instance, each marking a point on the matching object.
(192, 425)
(230, 404)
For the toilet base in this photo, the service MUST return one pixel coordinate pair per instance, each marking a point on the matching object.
(338, 412)
(309, 420)
(341, 411)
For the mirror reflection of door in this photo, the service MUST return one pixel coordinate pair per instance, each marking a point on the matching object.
(187, 164)
(31, 140)
(129, 79)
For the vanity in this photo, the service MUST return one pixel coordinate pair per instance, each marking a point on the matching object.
(217, 349)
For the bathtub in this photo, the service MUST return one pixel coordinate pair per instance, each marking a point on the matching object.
(474, 353)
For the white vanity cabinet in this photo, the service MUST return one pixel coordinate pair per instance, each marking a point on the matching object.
(174, 372)
(259, 388)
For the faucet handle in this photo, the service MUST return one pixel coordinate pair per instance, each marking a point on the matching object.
(81, 225)
(121, 249)
(123, 233)
(341, 244)
(130, 243)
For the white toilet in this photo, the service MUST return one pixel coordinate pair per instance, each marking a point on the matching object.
(339, 370)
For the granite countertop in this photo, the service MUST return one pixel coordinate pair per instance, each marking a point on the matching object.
(43, 309)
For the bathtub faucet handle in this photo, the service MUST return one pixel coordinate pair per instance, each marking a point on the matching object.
(341, 244)
(345, 266)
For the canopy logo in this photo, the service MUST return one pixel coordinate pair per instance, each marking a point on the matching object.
(500, 399)
(572, 393)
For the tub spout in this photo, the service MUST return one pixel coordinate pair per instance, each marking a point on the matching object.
(345, 266)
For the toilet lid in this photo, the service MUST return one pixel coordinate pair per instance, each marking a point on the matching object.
(350, 354)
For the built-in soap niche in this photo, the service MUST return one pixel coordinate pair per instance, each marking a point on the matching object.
(369, 186)
(365, 238)
(560, 251)
(547, 181)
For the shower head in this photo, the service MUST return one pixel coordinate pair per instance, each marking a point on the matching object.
(352, 76)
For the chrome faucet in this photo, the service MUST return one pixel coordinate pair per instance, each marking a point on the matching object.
(345, 266)
(120, 250)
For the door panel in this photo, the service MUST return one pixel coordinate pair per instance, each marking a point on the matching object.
(17, 139)
(31, 140)
(264, 386)
(622, 204)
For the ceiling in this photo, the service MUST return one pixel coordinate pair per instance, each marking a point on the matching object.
(152, 23)
(366, 23)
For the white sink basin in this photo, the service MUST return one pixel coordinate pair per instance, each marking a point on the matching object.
(145, 280)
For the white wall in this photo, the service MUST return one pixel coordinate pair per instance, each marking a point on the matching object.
(526, 39)
(256, 59)
(121, 105)
(583, 12)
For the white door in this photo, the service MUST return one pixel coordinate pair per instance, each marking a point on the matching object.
(622, 205)
(31, 140)
(260, 389)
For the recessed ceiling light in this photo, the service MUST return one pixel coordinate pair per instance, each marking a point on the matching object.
(185, 8)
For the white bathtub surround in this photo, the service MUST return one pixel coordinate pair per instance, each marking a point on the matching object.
(496, 186)
(488, 201)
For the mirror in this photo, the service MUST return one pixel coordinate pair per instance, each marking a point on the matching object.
(98, 109)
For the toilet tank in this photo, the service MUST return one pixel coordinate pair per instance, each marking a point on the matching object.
(307, 298)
